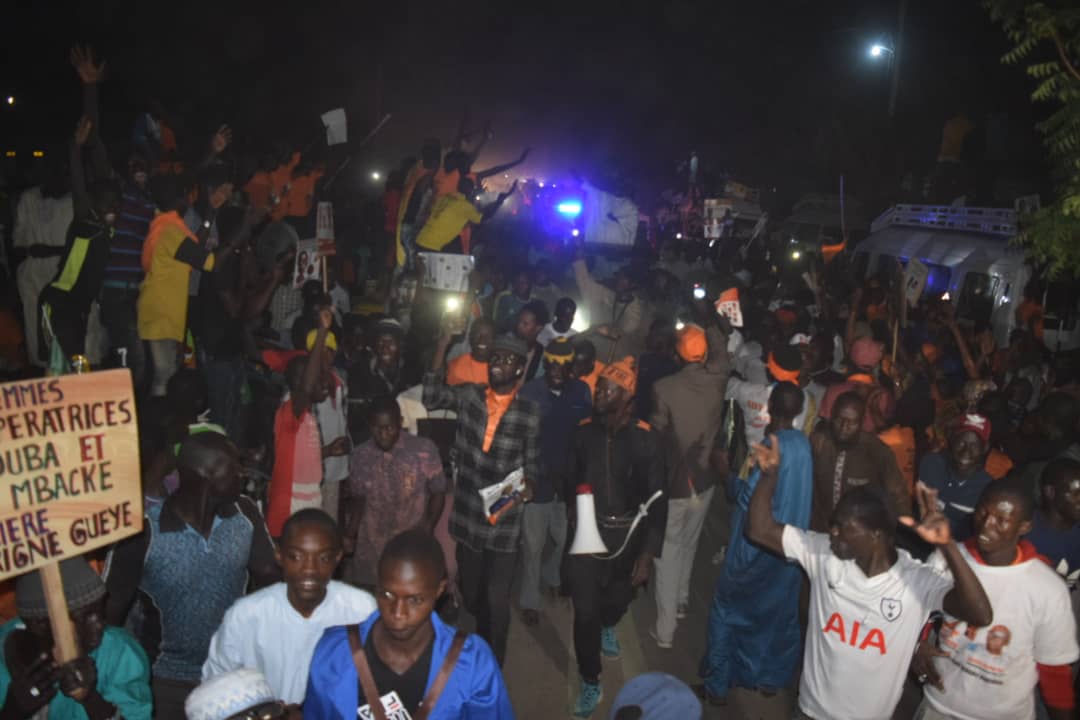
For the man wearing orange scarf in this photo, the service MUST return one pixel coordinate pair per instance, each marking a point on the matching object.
(498, 433)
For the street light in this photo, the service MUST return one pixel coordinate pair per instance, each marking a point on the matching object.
(10, 99)
(877, 50)
(376, 176)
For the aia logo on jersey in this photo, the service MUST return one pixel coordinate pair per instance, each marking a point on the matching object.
(890, 608)
(856, 634)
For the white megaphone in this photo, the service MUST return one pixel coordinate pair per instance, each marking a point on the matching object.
(587, 540)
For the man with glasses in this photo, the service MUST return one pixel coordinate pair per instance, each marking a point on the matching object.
(498, 433)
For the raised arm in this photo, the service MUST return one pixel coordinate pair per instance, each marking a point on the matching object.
(967, 600)
(314, 367)
(91, 74)
(437, 394)
(490, 210)
(499, 169)
(761, 527)
(80, 199)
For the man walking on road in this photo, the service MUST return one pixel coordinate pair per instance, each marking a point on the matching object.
(687, 415)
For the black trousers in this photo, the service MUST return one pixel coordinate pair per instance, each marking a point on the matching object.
(484, 579)
(601, 591)
(68, 318)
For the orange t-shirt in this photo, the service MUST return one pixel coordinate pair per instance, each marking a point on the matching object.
(998, 464)
(258, 189)
(497, 406)
(901, 440)
(1030, 314)
(465, 370)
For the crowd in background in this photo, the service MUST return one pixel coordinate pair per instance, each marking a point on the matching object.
(313, 453)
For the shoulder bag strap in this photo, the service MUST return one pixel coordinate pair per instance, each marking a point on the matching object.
(363, 670)
(437, 687)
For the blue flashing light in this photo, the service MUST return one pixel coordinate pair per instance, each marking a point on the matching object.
(570, 208)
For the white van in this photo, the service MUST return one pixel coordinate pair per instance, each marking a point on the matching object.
(970, 256)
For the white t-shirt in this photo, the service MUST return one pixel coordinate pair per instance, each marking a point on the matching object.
(549, 333)
(332, 414)
(862, 631)
(753, 399)
(264, 631)
(1033, 623)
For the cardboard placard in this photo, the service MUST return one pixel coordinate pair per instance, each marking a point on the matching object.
(337, 129)
(728, 306)
(306, 266)
(69, 468)
(447, 271)
(915, 276)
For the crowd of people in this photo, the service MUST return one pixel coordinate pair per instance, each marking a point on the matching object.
(901, 492)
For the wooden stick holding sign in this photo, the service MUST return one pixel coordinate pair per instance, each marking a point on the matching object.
(63, 630)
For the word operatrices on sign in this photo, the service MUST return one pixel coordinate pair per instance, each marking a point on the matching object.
(69, 468)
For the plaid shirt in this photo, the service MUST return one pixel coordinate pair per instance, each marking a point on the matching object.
(516, 445)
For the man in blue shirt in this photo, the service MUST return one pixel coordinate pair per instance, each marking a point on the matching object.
(957, 474)
(1055, 527)
(564, 401)
(403, 653)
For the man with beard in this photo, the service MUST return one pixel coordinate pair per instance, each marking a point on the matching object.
(498, 433)
(618, 459)
(564, 402)
(845, 456)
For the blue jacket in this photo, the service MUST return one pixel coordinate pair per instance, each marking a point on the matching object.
(475, 689)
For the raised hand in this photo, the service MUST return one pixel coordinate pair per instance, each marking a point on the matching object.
(82, 130)
(934, 526)
(767, 457)
(82, 59)
(221, 139)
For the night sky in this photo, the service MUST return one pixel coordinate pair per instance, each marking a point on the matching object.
(780, 93)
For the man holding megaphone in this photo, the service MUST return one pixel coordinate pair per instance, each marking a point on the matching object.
(617, 472)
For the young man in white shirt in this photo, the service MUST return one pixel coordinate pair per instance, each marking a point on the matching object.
(990, 673)
(868, 600)
(276, 629)
(562, 325)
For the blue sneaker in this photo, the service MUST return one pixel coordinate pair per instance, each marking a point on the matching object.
(609, 643)
(588, 698)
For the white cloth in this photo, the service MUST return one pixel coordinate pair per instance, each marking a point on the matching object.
(1033, 620)
(862, 631)
(549, 333)
(264, 631)
(332, 414)
(38, 221)
(686, 518)
(753, 400)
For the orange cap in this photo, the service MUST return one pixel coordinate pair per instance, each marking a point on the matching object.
(692, 346)
(623, 373)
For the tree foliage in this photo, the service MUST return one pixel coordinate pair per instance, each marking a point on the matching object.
(1046, 36)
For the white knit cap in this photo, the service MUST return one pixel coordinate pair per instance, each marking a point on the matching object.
(225, 695)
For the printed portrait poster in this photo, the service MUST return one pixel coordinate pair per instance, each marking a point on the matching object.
(307, 265)
(69, 467)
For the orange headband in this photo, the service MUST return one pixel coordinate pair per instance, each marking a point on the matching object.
(780, 373)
